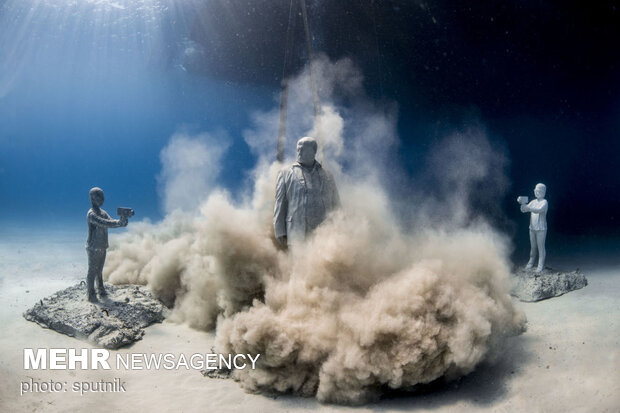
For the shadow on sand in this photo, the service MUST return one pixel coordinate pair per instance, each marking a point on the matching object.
(483, 387)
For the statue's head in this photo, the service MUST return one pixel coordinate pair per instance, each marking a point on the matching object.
(96, 196)
(540, 190)
(306, 150)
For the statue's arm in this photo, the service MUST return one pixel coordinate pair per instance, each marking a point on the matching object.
(104, 222)
(281, 207)
(540, 209)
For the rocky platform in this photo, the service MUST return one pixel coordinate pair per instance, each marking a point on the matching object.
(529, 286)
(113, 322)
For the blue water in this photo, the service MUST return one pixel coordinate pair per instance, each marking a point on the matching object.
(90, 92)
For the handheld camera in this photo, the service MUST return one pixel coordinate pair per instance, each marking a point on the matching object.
(124, 212)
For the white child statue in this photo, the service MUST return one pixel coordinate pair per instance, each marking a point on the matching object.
(538, 225)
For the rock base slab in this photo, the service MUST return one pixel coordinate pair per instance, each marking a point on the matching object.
(529, 286)
(113, 322)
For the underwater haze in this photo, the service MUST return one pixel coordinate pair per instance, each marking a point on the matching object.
(93, 92)
(432, 117)
(90, 92)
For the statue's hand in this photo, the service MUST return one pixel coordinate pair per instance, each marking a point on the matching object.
(123, 221)
(282, 240)
(524, 208)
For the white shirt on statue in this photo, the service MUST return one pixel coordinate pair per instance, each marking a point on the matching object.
(538, 216)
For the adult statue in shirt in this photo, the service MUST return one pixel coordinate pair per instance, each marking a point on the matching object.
(538, 226)
(305, 194)
(97, 243)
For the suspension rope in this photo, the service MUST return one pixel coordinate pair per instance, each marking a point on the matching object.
(315, 94)
(374, 24)
(285, 85)
(290, 31)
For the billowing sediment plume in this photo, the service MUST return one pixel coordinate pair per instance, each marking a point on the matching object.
(369, 302)
(365, 308)
(190, 168)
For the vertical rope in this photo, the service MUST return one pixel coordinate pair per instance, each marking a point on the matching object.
(374, 24)
(284, 94)
(290, 30)
(315, 94)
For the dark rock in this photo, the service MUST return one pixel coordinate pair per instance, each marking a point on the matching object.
(115, 321)
(217, 373)
(530, 286)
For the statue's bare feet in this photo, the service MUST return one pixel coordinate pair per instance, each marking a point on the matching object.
(102, 292)
(538, 269)
(529, 266)
(92, 297)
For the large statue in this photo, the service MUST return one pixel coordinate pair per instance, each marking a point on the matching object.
(538, 225)
(305, 194)
(97, 243)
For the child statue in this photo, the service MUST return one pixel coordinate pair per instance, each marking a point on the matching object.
(97, 243)
(538, 225)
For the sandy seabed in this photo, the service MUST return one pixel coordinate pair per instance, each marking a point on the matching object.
(568, 360)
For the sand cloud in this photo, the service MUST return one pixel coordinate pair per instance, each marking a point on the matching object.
(190, 168)
(373, 300)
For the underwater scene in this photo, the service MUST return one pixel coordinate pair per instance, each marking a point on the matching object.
(276, 205)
